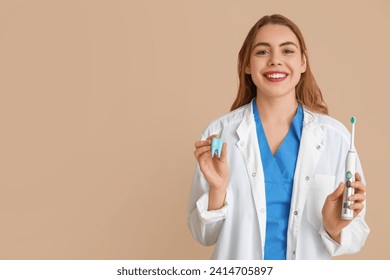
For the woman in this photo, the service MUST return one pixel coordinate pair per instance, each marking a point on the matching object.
(276, 191)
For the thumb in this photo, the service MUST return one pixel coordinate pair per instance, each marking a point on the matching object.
(224, 152)
(337, 192)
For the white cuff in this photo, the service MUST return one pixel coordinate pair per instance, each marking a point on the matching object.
(212, 216)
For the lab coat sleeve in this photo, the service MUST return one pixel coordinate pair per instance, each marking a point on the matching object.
(204, 225)
(354, 235)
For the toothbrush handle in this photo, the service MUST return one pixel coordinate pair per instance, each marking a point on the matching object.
(346, 213)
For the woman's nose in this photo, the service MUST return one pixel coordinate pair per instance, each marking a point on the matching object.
(274, 59)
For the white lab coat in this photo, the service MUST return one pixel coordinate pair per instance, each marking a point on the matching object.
(238, 229)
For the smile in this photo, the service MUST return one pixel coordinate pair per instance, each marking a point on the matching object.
(275, 76)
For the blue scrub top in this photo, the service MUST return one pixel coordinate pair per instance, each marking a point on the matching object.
(279, 177)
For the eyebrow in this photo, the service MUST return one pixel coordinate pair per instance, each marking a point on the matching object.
(281, 45)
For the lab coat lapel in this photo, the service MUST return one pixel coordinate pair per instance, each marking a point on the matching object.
(249, 148)
(310, 150)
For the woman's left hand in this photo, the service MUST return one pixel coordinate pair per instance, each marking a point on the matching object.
(331, 211)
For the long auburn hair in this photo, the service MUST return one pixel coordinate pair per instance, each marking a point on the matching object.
(307, 91)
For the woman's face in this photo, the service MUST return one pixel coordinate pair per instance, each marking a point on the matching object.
(276, 63)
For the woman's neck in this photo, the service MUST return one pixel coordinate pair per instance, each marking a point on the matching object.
(276, 110)
(276, 117)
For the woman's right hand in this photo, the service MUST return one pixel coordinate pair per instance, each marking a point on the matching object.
(214, 169)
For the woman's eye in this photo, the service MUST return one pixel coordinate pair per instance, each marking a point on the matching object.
(288, 51)
(262, 52)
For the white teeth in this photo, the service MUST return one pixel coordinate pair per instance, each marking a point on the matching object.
(276, 76)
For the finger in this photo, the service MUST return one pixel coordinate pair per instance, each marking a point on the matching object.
(358, 177)
(359, 197)
(224, 152)
(202, 143)
(356, 206)
(358, 186)
(202, 151)
(206, 142)
(212, 136)
(337, 192)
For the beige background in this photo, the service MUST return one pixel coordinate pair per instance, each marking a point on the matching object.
(101, 102)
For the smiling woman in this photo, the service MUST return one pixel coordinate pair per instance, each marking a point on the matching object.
(274, 192)
(308, 91)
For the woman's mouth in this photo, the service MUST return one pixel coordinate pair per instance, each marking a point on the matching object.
(275, 76)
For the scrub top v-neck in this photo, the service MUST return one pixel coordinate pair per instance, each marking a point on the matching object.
(279, 176)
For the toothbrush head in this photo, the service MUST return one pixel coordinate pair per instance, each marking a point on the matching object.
(353, 121)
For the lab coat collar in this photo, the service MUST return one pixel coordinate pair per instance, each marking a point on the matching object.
(248, 119)
(311, 123)
(310, 120)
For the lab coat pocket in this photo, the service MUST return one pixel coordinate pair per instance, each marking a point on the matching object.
(320, 188)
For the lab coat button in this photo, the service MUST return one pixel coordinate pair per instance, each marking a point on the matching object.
(254, 174)
(307, 178)
(318, 147)
(242, 144)
(262, 210)
(295, 213)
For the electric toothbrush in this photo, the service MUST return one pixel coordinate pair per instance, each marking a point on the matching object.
(346, 213)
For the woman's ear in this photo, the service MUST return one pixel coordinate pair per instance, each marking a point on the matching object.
(248, 70)
(304, 62)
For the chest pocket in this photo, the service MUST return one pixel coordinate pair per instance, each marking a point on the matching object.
(320, 188)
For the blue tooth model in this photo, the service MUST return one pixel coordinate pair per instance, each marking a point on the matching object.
(216, 146)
